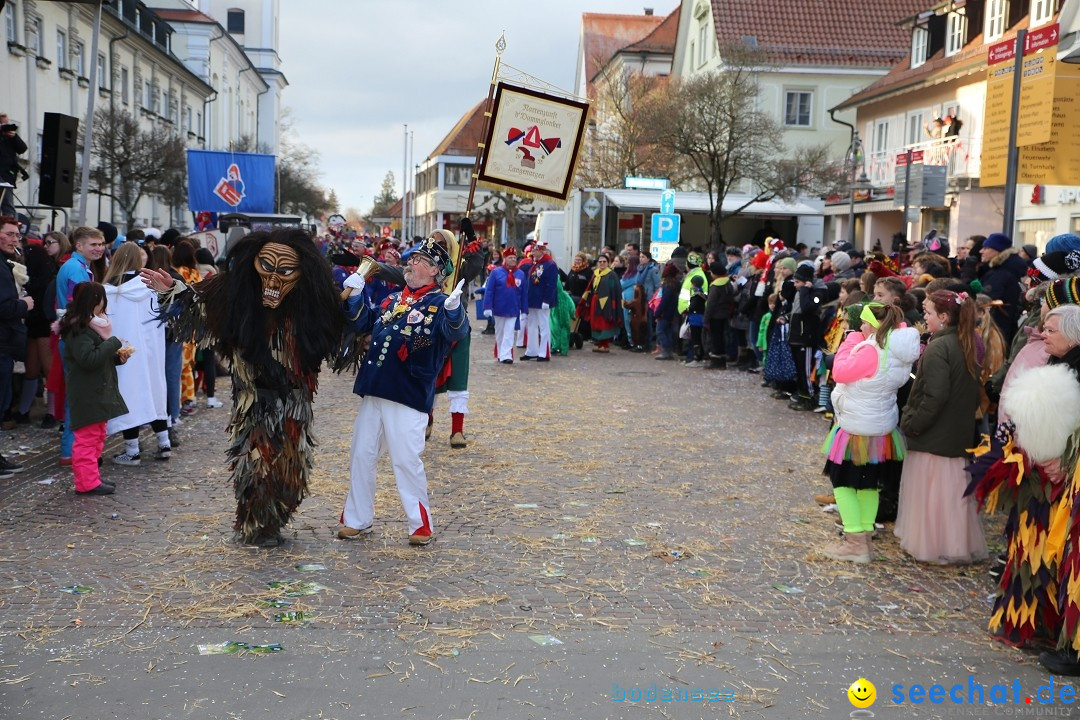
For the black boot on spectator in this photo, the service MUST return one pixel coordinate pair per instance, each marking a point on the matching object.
(8, 466)
(48, 422)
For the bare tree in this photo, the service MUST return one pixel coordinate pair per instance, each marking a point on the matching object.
(712, 122)
(130, 163)
(617, 142)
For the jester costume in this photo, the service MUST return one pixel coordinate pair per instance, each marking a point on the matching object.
(275, 314)
(601, 306)
(1027, 485)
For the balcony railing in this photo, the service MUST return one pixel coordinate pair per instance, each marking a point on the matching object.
(961, 155)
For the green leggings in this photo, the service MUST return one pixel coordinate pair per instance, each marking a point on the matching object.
(858, 508)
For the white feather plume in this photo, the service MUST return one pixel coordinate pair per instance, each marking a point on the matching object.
(1044, 403)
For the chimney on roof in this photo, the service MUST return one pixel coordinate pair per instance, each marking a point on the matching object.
(648, 11)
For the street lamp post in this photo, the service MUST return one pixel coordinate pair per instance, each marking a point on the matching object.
(861, 183)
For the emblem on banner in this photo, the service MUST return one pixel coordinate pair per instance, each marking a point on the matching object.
(231, 188)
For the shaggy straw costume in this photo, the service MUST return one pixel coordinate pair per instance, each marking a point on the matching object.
(276, 353)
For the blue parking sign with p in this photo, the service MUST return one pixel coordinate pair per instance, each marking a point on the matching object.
(665, 228)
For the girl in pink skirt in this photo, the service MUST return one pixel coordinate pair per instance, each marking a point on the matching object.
(935, 522)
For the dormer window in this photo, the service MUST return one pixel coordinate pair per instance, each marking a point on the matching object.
(1042, 12)
(920, 39)
(997, 13)
(955, 32)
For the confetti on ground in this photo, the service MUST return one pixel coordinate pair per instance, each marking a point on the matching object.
(545, 640)
(77, 590)
(310, 567)
(526, 506)
(292, 588)
(787, 589)
(634, 542)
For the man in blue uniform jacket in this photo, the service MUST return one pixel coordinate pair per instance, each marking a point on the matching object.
(541, 278)
(411, 334)
(504, 300)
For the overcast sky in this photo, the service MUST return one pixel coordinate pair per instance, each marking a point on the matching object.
(358, 70)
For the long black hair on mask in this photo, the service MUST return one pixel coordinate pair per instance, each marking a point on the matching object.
(236, 317)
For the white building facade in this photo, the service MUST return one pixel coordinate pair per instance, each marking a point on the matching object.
(176, 67)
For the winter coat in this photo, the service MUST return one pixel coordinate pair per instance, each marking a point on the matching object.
(13, 313)
(649, 279)
(93, 391)
(939, 417)
(576, 282)
(669, 301)
(1002, 282)
(867, 378)
(721, 301)
(42, 270)
(806, 315)
(10, 150)
(501, 299)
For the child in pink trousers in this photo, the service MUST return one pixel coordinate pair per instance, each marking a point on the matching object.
(91, 355)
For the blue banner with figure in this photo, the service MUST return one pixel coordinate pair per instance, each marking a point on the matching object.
(230, 182)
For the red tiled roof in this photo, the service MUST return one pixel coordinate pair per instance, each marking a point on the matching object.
(851, 33)
(936, 69)
(465, 136)
(604, 35)
(661, 39)
(174, 15)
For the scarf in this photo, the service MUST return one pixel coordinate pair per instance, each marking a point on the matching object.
(102, 325)
(409, 297)
(510, 281)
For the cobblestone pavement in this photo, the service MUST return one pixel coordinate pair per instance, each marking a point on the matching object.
(656, 520)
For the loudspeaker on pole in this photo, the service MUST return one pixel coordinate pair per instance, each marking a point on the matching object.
(59, 136)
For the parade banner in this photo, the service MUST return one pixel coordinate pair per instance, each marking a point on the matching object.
(230, 182)
(532, 142)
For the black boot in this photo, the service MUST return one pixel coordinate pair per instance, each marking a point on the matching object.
(1060, 662)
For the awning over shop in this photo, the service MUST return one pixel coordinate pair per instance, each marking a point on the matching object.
(696, 202)
(864, 207)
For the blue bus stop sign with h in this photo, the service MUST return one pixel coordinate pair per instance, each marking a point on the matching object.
(665, 228)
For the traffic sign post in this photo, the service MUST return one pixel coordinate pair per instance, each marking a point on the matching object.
(665, 228)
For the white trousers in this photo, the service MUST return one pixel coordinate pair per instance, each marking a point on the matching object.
(519, 336)
(538, 333)
(504, 337)
(401, 428)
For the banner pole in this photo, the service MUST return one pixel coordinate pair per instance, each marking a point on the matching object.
(500, 46)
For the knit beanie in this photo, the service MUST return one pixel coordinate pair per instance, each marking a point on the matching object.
(998, 241)
(840, 260)
(788, 263)
(1063, 243)
(1063, 292)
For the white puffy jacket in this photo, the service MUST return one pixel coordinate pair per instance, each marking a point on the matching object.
(868, 406)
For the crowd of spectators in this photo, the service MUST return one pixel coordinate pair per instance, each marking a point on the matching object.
(59, 373)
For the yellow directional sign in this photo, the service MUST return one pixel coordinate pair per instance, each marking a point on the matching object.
(999, 82)
(1056, 162)
(1039, 93)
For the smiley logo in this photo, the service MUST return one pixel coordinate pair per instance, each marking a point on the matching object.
(862, 693)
